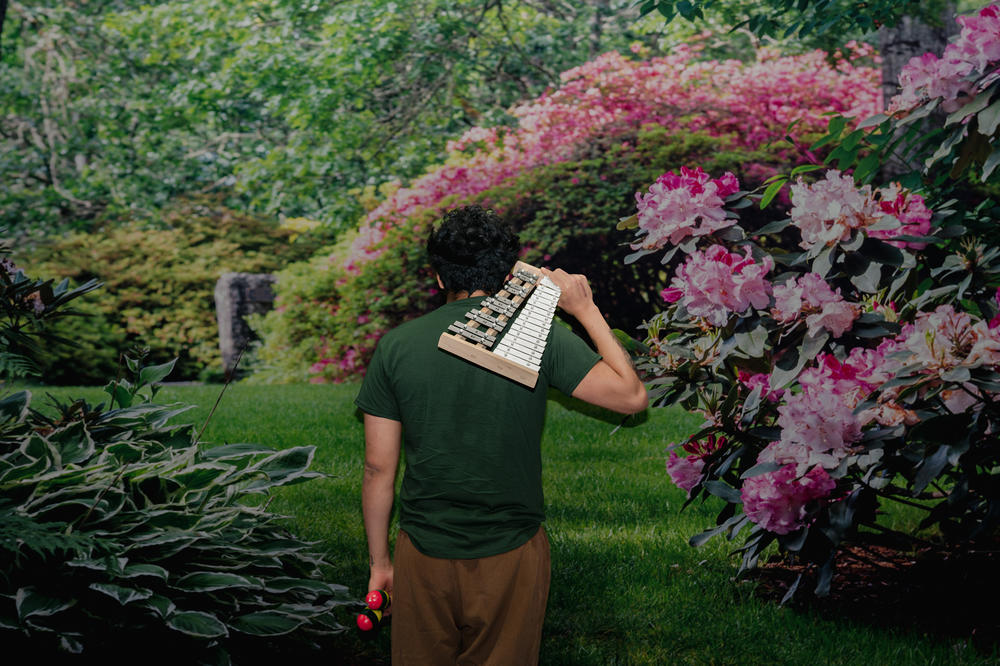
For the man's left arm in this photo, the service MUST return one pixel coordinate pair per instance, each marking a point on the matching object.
(378, 489)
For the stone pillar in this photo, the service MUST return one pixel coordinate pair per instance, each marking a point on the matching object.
(236, 296)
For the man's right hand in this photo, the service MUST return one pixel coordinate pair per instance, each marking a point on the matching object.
(575, 297)
(381, 579)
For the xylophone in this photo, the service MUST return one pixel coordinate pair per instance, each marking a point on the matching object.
(507, 333)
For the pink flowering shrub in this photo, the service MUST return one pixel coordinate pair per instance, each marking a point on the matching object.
(574, 159)
(849, 353)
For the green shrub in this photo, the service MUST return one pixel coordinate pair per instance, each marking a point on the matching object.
(159, 286)
(123, 538)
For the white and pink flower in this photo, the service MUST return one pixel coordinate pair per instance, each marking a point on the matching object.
(777, 500)
(809, 297)
(828, 211)
(715, 283)
(975, 52)
(678, 207)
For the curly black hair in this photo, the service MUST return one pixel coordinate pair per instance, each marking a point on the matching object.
(472, 249)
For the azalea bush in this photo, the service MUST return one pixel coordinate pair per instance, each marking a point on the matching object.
(847, 354)
(577, 155)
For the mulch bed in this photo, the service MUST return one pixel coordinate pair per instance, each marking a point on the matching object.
(951, 594)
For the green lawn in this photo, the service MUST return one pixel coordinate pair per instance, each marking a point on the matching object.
(626, 586)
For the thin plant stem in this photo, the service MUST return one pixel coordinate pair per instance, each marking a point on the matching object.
(229, 380)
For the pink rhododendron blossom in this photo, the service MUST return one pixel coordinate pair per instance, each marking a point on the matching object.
(810, 296)
(852, 379)
(816, 429)
(685, 471)
(762, 380)
(677, 207)
(979, 41)
(911, 211)
(715, 283)
(827, 211)
(777, 500)
(945, 339)
(976, 51)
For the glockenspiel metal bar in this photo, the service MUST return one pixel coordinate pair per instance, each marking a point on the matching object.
(507, 334)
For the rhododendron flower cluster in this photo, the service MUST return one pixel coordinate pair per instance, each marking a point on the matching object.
(944, 339)
(976, 51)
(828, 211)
(810, 296)
(777, 500)
(677, 207)
(913, 214)
(685, 471)
(714, 283)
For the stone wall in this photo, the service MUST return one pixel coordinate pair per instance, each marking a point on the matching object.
(236, 296)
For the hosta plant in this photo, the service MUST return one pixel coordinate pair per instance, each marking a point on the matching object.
(123, 537)
(848, 355)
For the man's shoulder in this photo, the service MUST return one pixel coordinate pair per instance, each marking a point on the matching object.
(406, 330)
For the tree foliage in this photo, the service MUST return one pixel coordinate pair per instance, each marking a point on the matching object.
(799, 18)
(113, 107)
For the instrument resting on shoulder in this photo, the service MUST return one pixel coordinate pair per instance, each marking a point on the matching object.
(507, 333)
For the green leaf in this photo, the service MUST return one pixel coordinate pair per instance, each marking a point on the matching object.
(989, 119)
(723, 490)
(774, 227)
(154, 373)
(140, 570)
(240, 450)
(630, 222)
(761, 468)
(977, 104)
(283, 467)
(122, 594)
(73, 443)
(201, 476)
(159, 604)
(930, 468)
(266, 623)
(771, 192)
(31, 603)
(197, 624)
(14, 407)
(209, 581)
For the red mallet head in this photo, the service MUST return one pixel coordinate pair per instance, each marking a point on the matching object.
(369, 619)
(377, 600)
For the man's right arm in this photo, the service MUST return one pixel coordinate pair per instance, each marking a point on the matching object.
(612, 382)
(382, 444)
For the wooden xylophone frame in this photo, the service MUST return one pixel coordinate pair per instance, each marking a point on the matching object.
(518, 292)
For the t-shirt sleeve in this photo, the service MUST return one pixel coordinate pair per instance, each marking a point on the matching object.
(376, 396)
(569, 360)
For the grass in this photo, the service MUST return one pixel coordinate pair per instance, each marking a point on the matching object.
(626, 586)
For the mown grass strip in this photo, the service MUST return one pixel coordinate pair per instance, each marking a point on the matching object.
(626, 587)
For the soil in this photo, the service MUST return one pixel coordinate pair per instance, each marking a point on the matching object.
(949, 594)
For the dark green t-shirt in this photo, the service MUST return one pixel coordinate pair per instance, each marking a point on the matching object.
(472, 486)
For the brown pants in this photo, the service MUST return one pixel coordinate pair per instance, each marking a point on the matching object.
(480, 611)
